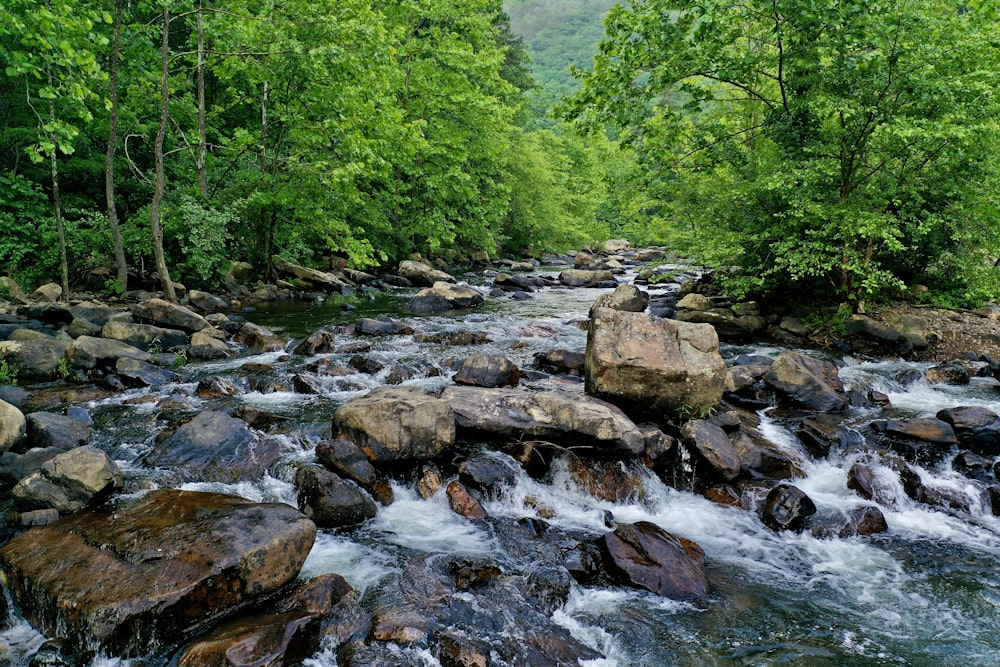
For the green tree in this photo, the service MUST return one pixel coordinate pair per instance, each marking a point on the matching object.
(849, 144)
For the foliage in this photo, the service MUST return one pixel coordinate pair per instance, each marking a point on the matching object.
(845, 147)
(8, 373)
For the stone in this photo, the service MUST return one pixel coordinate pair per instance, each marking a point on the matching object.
(265, 640)
(584, 278)
(69, 481)
(977, 428)
(566, 362)
(489, 474)
(50, 292)
(822, 433)
(330, 501)
(556, 415)
(444, 296)
(615, 246)
(695, 302)
(457, 338)
(864, 521)
(208, 303)
(169, 315)
(13, 427)
(312, 278)
(608, 480)
(382, 327)
(10, 286)
(215, 386)
(807, 382)
(214, 447)
(712, 446)
(96, 313)
(397, 423)
(486, 370)
(658, 367)
(135, 373)
(132, 578)
(625, 297)
(421, 274)
(47, 429)
(35, 359)
(145, 336)
(320, 342)
(787, 507)
(258, 339)
(464, 504)
(645, 556)
(347, 460)
(89, 353)
(430, 482)
(922, 440)
(80, 327)
(952, 373)
(584, 260)
(205, 346)
(508, 283)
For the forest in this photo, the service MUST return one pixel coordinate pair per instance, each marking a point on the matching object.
(843, 147)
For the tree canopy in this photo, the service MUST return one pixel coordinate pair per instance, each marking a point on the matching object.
(845, 146)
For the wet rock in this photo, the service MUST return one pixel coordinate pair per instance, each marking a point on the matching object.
(661, 367)
(459, 338)
(993, 497)
(864, 521)
(608, 480)
(974, 466)
(59, 397)
(584, 278)
(489, 473)
(864, 325)
(822, 433)
(47, 429)
(214, 447)
(135, 373)
(206, 346)
(787, 507)
(508, 283)
(430, 482)
(561, 361)
(444, 296)
(646, 556)
(215, 386)
(144, 336)
(330, 501)
(455, 652)
(976, 428)
(727, 324)
(266, 640)
(924, 441)
(462, 503)
(382, 327)
(311, 278)
(763, 457)
(723, 494)
(625, 297)
(711, 444)
(953, 373)
(321, 342)
(169, 315)
(807, 382)
(863, 480)
(257, 418)
(397, 423)
(89, 353)
(555, 415)
(347, 460)
(259, 339)
(584, 561)
(13, 428)
(59, 653)
(34, 359)
(208, 303)
(135, 577)
(69, 481)
(15, 467)
(303, 384)
(80, 327)
(401, 627)
(421, 274)
(485, 370)
(469, 573)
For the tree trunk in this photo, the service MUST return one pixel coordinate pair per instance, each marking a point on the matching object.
(161, 178)
(57, 204)
(109, 160)
(263, 130)
(202, 132)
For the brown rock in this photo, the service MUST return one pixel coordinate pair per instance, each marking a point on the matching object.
(397, 423)
(464, 504)
(646, 556)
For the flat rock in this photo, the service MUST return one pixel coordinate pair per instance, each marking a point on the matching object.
(444, 296)
(170, 315)
(397, 423)
(132, 578)
(584, 278)
(144, 336)
(48, 429)
(88, 353)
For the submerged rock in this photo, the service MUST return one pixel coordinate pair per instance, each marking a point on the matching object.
(135, 577)
(660, 367)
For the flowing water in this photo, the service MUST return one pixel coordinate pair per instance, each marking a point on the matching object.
(927, 592)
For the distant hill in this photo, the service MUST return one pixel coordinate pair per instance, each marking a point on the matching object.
(559, 34)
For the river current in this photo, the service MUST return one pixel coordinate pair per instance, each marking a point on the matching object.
(927, 592)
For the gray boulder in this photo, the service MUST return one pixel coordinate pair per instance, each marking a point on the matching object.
(397, 423)
(144, 336)
(711, 445)
(69, 481)
(443, 296)
(312, 278)
(656, 366)
(88, 353)
(584, 278)
(330, 501)
(169, 315)
(421, 274)
(206, 346)
(137, 373)
(807, 382)
(34, 359)
(487, 370)
(625, 297)
(208, 303)
(13, 428)
(47, 429)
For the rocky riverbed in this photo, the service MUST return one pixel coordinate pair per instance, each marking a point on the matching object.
(528, 464)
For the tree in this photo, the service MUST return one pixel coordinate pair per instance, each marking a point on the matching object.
(849, 144)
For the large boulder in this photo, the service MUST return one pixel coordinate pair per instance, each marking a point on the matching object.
(615, 246)
(444, 296)
(625, 297)
(97, 313)
(977, 428)
(13, 428)
(36, 359)
(347, 460)
(69, 481)
(48, 429)
(144, 336)
(207, 346)
(659, 367)
(330, 501)
(646, 556)
(712, 446)
(807, 382)
(259, 339)
(214, 447)
(555, 415)
(487, 370)
(311, 278)
(49, 292)
(584, 278)
(134, 577)
(727, 324)
(88, 353)
(169, 315)
(208, 303)
(924, 441)
(421, 274)
(135, 373)
(397, 423)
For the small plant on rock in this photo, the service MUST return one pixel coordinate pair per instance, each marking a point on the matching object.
(8, 373)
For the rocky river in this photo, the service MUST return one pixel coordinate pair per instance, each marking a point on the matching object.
(404, 479)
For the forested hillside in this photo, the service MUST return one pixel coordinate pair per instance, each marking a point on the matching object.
(180, 136)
